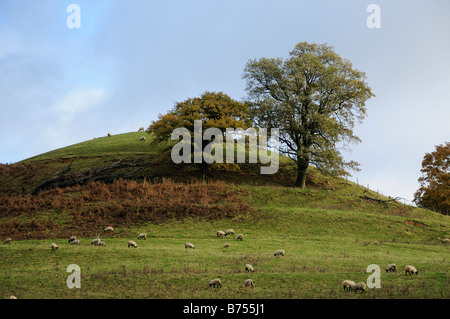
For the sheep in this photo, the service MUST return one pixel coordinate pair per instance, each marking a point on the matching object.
(227, 245)
(229, 232)
(391, 267)
(142, 236)
(220, 233)
(12, 297)
(132, 244)
(7, 241)
(95, 241)
(240, 237)
(100, 243)
(215, 283)
(71, 239)
(249, 268)
(279, 252)
(142, 138)
(347, 284)
(75, 242)
(248, 283)
(411, 270)
(54, 246)
(109, 228)
(109, 135)
(446, 241)
(359, 286)
(141, 128)
(189, 245)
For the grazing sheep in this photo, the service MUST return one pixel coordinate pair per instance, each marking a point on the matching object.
(220, 233)
(141, 129)
(54, 246)
(227, 245)
(347, 284)
(95, 241)
(359, 286)
(215, 283)
(249, 268)
(248, 283)
(229, 232)
(143, 138)
(132, 244)
(109, 228)
(7, 241)
(75, 242)
(142, 236)
(189, 245)
(109, 135)
(71, 239)
(100, 243)
(391, 267)
(411, 270)
(446, 241)
(240, 237)
(279, 252)
(12, 297)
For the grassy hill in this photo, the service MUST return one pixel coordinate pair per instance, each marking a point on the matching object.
(330, 231)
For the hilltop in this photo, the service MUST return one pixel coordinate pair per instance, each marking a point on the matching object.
(330, 231)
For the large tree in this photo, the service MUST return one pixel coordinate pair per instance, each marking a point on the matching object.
(214, 109)
(434, 191)
(314, 97)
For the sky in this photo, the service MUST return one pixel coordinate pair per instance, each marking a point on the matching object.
(131, 60)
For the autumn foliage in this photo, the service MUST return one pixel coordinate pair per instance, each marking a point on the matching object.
(87, 209)
(434, 191)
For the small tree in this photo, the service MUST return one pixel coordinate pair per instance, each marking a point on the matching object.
(214, 109)
(314, 98)
(434, 191)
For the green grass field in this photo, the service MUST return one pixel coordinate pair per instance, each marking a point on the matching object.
(329, 235)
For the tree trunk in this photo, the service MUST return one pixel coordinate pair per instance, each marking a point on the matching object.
(301, 175)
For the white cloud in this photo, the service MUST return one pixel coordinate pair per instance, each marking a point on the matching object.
(78, 101)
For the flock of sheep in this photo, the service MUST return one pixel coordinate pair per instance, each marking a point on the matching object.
(348, 285)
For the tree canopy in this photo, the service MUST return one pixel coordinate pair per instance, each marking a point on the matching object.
(434, 191)
(214, 109)
(314, 97)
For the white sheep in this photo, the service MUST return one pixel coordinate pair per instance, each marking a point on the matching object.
(75, 242)
(95, 241)
(141, 129)
(107, 229)
(71, 239)
(100, 243)
(189, 245)
(54, 246)
(279, 252)
(7, 241)
(411, 270)
(142, 236)
(132, 244)
(220, 233)
(446, 241)
(229, 232)
(215, 283)
(240, 237)
(248, 283)
(109, 135)
(391, 267)
(359, 286)
(12, 297)
(347, 284)
(142, 138)
(227, 245)
(249, 268)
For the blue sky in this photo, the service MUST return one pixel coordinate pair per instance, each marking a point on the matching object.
(131, 60)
